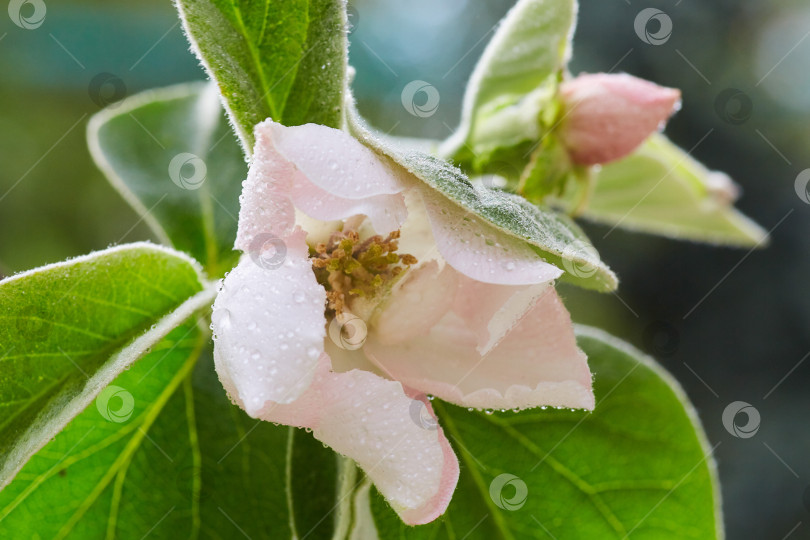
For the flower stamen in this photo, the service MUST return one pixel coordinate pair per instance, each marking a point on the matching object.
(349, 267)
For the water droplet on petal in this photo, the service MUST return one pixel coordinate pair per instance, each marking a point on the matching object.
(221, 318)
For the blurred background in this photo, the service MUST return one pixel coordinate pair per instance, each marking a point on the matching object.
(731, 325)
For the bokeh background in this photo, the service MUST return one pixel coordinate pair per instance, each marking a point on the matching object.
(731, 325)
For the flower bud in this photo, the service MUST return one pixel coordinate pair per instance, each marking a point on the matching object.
(609, 116)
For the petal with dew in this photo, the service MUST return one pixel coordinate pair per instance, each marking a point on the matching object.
(335, 175)
(335, 161)
(269, 324)
(386, 212)
(480, 251)
(265, 204)
(312, 168)
(372, 420)
(537, 363)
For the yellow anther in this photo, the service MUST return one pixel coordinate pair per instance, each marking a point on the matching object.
(347, 267)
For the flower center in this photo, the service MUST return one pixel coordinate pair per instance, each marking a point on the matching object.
(350, 268)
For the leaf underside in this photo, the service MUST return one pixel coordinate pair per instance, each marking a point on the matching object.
(661, 189)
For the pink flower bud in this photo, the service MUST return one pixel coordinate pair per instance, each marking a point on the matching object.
(609, 116)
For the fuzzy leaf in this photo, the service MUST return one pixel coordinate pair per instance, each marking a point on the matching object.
(661, 189)
(184, 463)
(171, 154)
(279, 59)
(69, 328)
(514, 84)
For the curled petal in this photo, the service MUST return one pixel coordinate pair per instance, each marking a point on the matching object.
(373, 421)
(609, 116)
(269, 324)
(537, 363)
(335, 161)
(325, 173)
(265, 203)
(481, 252)
(492, 311)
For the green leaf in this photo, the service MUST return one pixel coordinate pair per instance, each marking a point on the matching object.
(279, 59)
(172, 156)
(553, 235)
(660, 189)
(183, 463)
(512, 92)
(549, 170)
(638, 466)
(69, 328)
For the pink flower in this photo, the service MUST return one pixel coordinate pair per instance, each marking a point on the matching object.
(609, 116)
(363, 291)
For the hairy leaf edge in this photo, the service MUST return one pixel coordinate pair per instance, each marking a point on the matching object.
(458, 138)
(177, 91)
(36, 438)
(650, 363)
(245, 139)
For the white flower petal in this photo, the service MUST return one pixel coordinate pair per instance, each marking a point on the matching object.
(374, 422)
(537, 362)
(269, 328)
(335, 161)
(480, 251)
(416, 303)
(323, 172)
